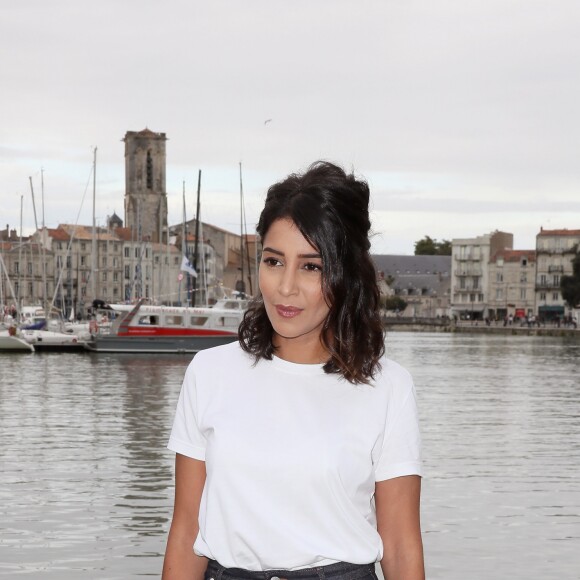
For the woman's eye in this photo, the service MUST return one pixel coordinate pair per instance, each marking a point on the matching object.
(313, 267)
(271, 261)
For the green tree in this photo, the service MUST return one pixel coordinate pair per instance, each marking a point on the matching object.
(428, 246)
(570, 285)
(444, 248)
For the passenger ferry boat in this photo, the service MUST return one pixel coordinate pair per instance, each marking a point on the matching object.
(145, 328)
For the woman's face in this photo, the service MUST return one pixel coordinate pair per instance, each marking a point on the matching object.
(291, 286)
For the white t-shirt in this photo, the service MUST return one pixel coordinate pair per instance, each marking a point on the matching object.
(292, 456)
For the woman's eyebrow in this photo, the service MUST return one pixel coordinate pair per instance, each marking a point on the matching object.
(273, 251)
(279, 253)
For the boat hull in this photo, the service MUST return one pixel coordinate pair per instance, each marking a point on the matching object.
(43, 340)
(157, 344)
(14, 344)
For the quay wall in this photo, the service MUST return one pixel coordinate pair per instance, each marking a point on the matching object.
(481, 328)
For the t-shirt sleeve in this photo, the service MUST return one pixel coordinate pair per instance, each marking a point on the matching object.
(186, 437)
(400, 453)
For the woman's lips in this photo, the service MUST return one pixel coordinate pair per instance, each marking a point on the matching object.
(288, 311)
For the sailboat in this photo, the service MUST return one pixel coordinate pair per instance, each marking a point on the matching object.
(9, 338)
(147, 328)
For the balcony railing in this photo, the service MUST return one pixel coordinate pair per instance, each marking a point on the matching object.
(546, 284)
(556, 250)
(556, 269)
(468, 257)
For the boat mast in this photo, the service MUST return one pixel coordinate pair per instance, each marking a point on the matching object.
(94, 240)
(183, 240)
(241, 287)
(196, 246)
(20, 259)
(244, 237)
(40, 252)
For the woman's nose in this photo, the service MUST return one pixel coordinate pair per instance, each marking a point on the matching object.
(288, 282)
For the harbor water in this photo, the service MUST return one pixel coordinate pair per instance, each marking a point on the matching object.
(86, 483)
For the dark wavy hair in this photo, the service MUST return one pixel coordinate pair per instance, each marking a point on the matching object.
(330, 208)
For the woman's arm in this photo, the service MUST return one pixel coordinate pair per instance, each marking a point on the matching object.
(398, 522)
(180, 561)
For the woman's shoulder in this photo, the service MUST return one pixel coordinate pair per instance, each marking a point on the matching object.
(393, 376)
(226, 356)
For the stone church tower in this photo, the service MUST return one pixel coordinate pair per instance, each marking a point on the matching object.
(145, 195)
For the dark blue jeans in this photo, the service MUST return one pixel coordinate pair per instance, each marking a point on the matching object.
(339, 571)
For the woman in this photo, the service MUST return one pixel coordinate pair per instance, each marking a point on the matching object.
(298, 449)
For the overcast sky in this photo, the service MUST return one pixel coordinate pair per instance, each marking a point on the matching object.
(462, 115)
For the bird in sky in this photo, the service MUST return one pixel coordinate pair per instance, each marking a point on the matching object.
(267, 121)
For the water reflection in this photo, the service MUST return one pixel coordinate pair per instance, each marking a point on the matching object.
(86, 484)
(501, 496)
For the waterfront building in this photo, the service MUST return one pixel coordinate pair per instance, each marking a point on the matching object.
(145, 194)
(423, 282)
(78, 277)
(555, 251)
(470, 288)
(149, 270)
(8, 235)
(227, 255)
(28, 277)
(512, 284)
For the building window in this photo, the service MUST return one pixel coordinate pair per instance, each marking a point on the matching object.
(542, 296)
(480, 298)
(82, 260)
(127, 272)
(149, 171)
(499, 277)
(475, 282)
(556, 280)
(115, 247)
(16, 267)
(136, 252)
(59, 246)
(522, 293)
(115, 291)
(462, 283)
(126, 252)
(104, 276)
(524, 262)
(30, 269)
(115, 262)
(498, 293)
(83, 291)
(68, 261)
(543, 279)
(104, 261)
(83, 247)
(555, 296)
(146, 252)
(523, 278)
(30, 290)
(115, 276)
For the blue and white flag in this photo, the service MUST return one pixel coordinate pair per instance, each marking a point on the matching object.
(187, 267)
